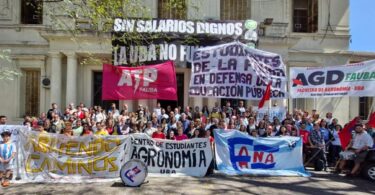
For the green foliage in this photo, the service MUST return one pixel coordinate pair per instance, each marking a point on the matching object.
(7, 69)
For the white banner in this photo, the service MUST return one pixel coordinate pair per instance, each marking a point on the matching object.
(235, 70)
(279, 112)
(239, 153)
(188, 157)
(333, 81)
(49, 157)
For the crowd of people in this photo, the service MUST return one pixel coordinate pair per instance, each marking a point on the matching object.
(189, 123)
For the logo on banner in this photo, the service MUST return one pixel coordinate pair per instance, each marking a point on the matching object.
(261, 158)
(332, 77)
(133, 78)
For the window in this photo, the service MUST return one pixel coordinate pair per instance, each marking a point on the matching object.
(32, 89)
(364, 107)
(235, 9)
(305, 16)
(175, 9)
(31, 11)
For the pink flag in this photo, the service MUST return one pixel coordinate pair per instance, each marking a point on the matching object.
(142, 82)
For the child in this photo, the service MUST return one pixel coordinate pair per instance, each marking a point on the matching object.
(7, 154)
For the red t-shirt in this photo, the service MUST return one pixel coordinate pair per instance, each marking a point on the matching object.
(157, 135)
(304, 135)
(181, 137)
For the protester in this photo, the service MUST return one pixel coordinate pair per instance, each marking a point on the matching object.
(100, 129)
(3, 120)
(359, 146)
(159, 133)
(7, 154)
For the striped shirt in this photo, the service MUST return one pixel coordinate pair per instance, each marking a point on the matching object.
(7, 149)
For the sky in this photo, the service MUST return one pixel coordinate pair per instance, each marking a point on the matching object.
(362, 25)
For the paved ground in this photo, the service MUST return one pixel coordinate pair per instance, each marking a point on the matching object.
(319, 183)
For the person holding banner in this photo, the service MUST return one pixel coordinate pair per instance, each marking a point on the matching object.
(7, 154)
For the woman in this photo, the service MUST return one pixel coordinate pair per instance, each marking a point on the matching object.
(172, 125)
(180, 134)
(243, 129)
(205, 111)
(67, 131)
(170, 135)
(109, 126)
(261, 128)
(335, 148)
(86, 130)
(251, 125)
(190, 130)
(195, 134)
(282, 132)
(209, 136)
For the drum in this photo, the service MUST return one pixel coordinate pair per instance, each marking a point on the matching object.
(133, 173)
(347, 155)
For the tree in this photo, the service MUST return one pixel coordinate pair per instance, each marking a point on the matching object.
(7, 69)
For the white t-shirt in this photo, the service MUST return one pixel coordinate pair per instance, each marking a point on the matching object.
(361, 140)
(150, 131)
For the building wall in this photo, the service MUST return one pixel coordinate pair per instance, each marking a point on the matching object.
(45, 48)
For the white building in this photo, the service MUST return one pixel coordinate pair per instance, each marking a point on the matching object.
(304, 32)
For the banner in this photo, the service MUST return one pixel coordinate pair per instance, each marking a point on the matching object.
(188, 157)
(142, 82)
(279, 112)
(169, 39)
(333, 81)
(234, 70)
(239, 153)
(54, 156)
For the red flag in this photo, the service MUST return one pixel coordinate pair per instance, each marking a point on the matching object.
(371, 120)
(346, 134)
(266, 96)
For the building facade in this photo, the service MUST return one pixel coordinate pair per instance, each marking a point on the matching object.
(303, 32)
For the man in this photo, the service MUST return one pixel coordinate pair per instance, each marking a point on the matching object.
(241, 109)
(228, 109)
(55, 110)
(149, 130)
(185, 122)
(316, 140)
(3, 120)
(216, 107)
(177, 114)
(157, 110)
(329, 118)
(359, 146)
(115, 112)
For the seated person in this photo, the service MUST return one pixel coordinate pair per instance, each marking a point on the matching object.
(359, 146)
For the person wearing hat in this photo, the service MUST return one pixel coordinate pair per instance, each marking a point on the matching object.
(7, 154)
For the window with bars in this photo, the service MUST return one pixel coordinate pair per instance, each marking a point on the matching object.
(31, 11)
(176, 9)
(32, 89)
(235, 9)
(305, 16)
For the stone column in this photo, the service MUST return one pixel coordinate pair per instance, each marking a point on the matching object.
(55, 93)
(71, 78)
